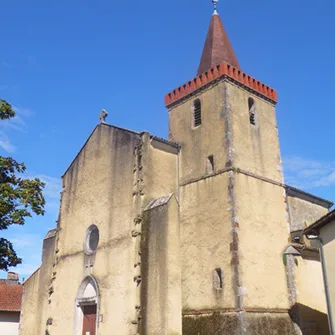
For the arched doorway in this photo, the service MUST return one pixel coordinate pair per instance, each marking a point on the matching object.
(86, 308)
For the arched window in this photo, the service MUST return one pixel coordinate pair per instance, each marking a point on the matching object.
(196, 113)
(217, 278)
(252, 111)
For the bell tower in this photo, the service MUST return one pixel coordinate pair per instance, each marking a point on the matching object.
(224, 115)
(232, 198)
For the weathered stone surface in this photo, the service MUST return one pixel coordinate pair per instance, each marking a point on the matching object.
(234, 324)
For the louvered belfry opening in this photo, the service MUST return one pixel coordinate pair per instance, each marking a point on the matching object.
(252, 111)
(197, 113)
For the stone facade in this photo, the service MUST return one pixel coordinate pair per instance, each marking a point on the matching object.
(166, 224)
(199, 237)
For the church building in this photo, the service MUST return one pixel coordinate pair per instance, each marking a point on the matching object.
(197, 234)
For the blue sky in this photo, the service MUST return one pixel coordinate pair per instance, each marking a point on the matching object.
(62, 61)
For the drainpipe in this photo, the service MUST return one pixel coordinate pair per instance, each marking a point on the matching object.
(325, 280)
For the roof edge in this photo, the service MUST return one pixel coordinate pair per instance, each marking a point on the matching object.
(223, 70)
(31, 275)
(157, 138)
(95, 128)
(10, 310)
(158, 202)
(163, 140)
(50, 234)
(316, 226)
(297, 193)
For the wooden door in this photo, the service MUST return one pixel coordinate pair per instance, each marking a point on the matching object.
(89, 319)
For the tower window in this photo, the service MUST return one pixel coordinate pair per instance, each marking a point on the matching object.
(217, 278)
(197, 113)
(210, 164)
(252, 111)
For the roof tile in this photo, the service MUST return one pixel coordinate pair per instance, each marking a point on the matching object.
(10, 298)
(217, 47)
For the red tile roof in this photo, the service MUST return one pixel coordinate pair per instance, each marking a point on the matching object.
(10, 298)
(223, 70)
(218, 62)
(217, 47)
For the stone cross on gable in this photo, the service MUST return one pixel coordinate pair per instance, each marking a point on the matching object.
(102, 116)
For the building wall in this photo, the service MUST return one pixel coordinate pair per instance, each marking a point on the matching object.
(255, 148)
(327, 234)
(200, 142)
(310, 283)
(161, 271)
(30, 310)
(307, 293)
(310, 305)
(207, 242)
(233, 218)
(109, 184)
(261, 225)
(206, 234)
(36, 291)
(303, 213)
(9, 323)
(262, 234)
(98, 189)
(160, 169)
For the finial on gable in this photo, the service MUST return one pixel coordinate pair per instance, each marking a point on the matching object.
(215, 4)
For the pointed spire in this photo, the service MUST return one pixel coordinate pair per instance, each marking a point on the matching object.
(217, 47)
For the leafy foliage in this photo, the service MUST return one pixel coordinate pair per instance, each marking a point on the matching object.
(8, 255)
(6, 110)
(19, 197)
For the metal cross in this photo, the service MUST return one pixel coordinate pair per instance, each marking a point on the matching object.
(215, 3)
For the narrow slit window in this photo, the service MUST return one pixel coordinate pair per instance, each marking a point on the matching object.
(210, 164)
(197, 113)
(218, 278)
(252, 111)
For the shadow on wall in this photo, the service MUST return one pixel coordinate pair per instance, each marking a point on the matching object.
(310, 321)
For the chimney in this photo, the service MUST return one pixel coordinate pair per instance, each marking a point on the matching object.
(12, 278)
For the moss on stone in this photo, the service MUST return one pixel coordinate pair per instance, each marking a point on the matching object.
(229, 324)
(225, 324)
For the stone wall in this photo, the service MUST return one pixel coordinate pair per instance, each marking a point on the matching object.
(109, 184)
(303, 213)
(228, 324)
(161, 268)
(37, 290)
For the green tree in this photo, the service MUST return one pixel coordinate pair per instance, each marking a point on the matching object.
(19, 197)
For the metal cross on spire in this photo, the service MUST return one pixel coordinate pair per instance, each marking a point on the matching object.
(215, 4)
